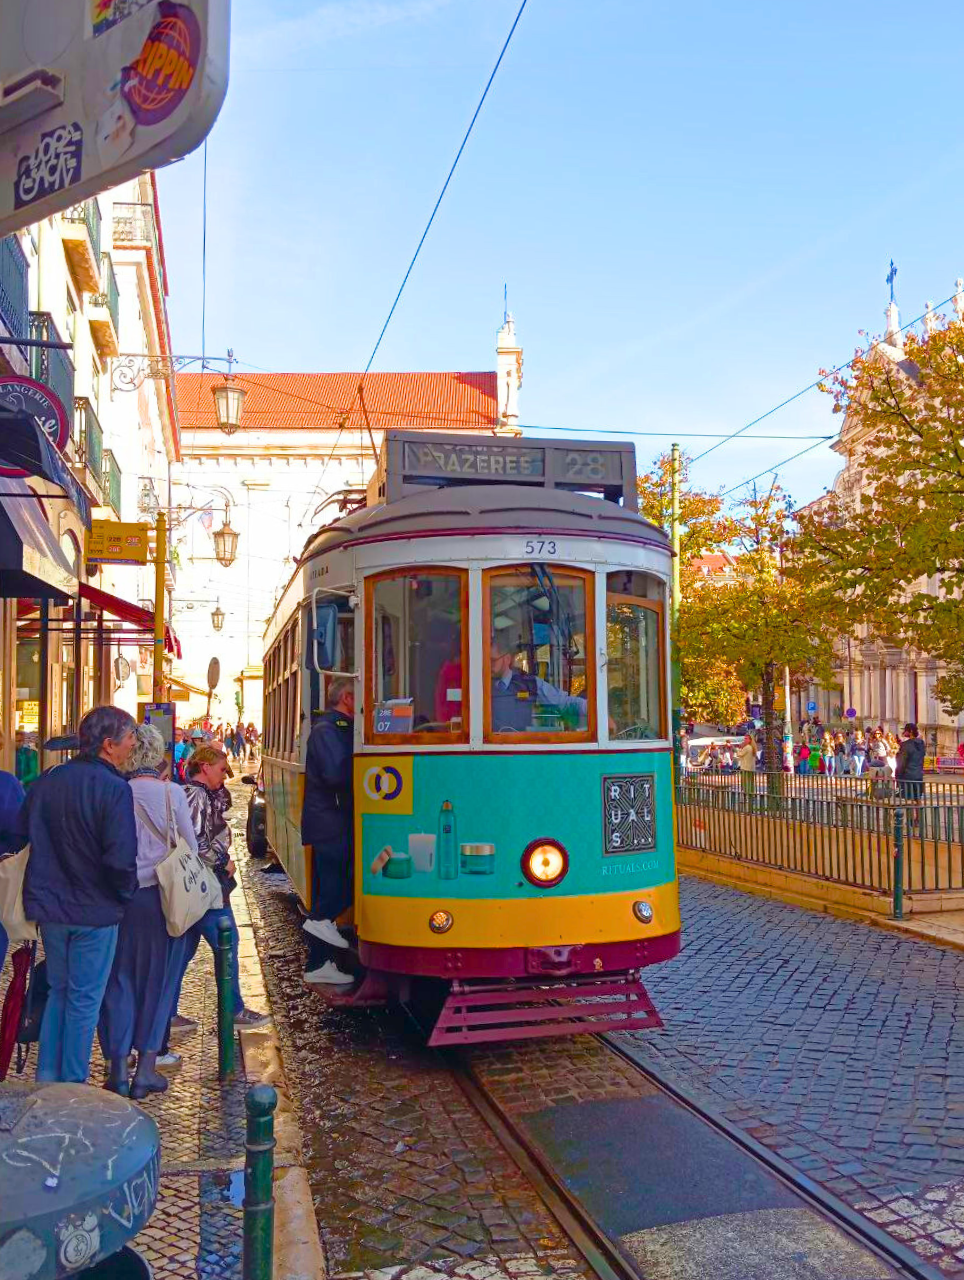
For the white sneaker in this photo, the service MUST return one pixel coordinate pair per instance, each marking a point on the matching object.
(327, 931)
(329, 973)
(168, 1060)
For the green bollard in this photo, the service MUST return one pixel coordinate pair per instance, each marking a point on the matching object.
(257, 1263)
(225, 1003)
(899, 863)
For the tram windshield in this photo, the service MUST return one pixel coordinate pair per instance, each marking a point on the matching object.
(634, 650)
(419, 656)
(538, 677)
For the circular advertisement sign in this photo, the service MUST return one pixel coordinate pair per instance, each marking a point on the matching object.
(24, 395)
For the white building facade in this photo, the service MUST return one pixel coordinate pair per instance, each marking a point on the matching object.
(304, 439)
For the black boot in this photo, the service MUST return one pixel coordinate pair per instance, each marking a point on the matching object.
(147, 1079)
(117, 1081)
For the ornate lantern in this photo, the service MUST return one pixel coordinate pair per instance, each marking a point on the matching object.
(217, 617)
(228, 404)
(226, 543)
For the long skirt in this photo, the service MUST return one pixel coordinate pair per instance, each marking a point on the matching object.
(142, 987)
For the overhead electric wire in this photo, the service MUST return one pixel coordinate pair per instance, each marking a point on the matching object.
(773, 470)
(418, 249)
(796, 396)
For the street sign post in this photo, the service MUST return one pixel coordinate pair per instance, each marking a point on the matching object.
(93, 92)
(851, 713)
(111, 543)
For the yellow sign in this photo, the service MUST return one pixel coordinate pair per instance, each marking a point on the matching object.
(111, 543)
(383, 785)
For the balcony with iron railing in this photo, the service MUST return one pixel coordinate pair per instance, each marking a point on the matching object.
(112, 482)
(89, 449)
(103, 311)
(13, 302)
(53, 368)
(135, 228)
(80, 229)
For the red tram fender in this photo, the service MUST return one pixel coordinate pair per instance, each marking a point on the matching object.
(520, 962)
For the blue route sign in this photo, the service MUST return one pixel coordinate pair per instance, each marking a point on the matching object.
(811, 707)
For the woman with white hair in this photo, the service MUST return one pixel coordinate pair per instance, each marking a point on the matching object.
(142, 988)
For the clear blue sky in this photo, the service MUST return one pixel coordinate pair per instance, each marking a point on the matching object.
(694, 205)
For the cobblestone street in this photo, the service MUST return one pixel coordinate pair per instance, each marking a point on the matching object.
(405, 1174)
(838, 1045)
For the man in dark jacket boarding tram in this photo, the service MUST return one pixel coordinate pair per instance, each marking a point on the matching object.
(82, 872)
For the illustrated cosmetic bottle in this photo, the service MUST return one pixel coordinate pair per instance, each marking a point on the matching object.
(446, 844)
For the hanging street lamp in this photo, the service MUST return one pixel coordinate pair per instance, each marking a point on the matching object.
(217, 617)
(228, 401)
(226, 543)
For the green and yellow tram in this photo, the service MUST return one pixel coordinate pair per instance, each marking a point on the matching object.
(502, 607)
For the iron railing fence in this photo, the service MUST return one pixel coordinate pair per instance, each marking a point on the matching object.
(88, 213)
(112, 482)
(13, 288)
(135, 227)
(844, 829)
(48, 365)
(89, 437)
(109, 296)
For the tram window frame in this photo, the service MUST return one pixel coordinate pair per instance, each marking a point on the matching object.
(656, 605)
(539, 736)
(415, 738)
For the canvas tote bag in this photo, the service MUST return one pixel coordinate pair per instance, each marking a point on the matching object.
(188, 887)
(12, 868)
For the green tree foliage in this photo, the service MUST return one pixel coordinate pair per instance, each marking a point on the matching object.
(868, 558)
(758, 621)
(710, 689)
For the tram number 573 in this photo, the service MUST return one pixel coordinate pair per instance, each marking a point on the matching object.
(540, 547)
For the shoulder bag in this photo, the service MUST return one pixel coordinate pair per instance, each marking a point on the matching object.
(12, 869)
(188, 887)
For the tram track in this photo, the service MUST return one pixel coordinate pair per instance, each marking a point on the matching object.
(603, 1252)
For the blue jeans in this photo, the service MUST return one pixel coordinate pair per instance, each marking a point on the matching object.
(79, 960)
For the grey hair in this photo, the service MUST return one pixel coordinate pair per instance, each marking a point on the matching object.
(103, 724)
(148, 750)
(337, 690)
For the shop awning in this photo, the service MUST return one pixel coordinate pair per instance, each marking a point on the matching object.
(26, 446)
(31, 563)
(142, 619)
(177, 683)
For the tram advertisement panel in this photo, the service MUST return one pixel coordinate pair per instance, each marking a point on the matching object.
(459, 826)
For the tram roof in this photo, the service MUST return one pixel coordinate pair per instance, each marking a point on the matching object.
(482, 509)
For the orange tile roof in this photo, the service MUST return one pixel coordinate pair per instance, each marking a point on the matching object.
(435, 401)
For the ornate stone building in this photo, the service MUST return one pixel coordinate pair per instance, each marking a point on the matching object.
(885, 684)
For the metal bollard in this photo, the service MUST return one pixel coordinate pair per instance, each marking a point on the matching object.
(225, 1003)
(899, 863)
(259, 1102)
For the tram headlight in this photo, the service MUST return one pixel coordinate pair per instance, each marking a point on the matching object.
(544, 863)
(441, 921)
(643, 912)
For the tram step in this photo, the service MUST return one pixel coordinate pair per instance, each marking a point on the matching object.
(476, 1012)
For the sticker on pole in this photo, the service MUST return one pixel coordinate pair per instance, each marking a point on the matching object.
(93, 92)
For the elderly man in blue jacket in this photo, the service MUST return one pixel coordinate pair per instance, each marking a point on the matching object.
(82, 872)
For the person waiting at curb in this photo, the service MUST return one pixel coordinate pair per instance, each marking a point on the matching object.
(326, 824)
(82, 873)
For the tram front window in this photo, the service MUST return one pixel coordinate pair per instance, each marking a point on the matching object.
(419, 656)
(634, 626)
(539, 682)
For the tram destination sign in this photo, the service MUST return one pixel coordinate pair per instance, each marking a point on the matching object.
(470, 461)
(410, 460)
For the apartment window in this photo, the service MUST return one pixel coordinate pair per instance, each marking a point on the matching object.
(71, 318)
(95, 385)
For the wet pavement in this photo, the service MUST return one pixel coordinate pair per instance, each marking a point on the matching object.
(837, 1045)
(406, 1177)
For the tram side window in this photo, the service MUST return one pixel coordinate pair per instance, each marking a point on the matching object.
(330, 634)
(420, 656)
(634, 648)
(539, 680)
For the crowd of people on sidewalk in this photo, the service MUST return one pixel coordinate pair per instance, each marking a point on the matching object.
(98, 827)
(853, 752)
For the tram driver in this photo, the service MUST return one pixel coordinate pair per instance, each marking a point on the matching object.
(517, 694)
(327, 824)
